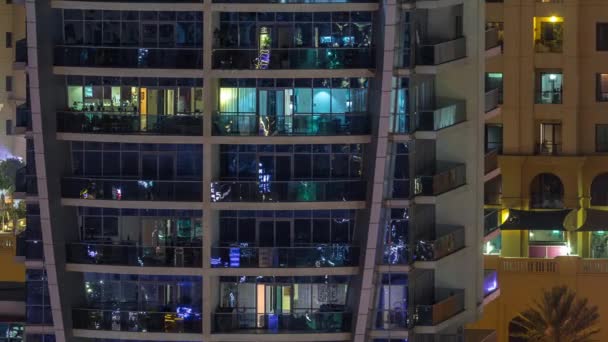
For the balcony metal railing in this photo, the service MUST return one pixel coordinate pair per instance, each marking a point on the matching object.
(492, 100)
(490, 161)
(491, 221)
(298, 321)
(391, 319)
(490, 282)
(123, 57)
(492, 40)
(430, 53)
(294, 58)
(288, 191)
(447, 303)
(548, 149)
(131, 190)
(250, 124)
(130, 254)
(549, 97)
(448, 113)
(21, 51)
(449, 240)
(331, 255)
(137, 321)
(121, 123)
(448, 176)
(548, 46)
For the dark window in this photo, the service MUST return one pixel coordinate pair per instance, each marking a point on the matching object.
(8, 83)
(9, 127)
(601, 33)
(599, 190)
(601, 138)
(9, 40)
(546, 192)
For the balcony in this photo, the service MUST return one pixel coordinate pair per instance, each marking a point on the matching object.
(445, 305)
(292, 1)
(131, 190)
(327, 320)
(25, 182)
(230, 124)
(23, 118)
(447, 239)
(391, 319)
(21, 52)
(447, 113)
(280, 257)
(436, 53)
(549, 97)
(137, 320)
(490, 161)
(127, 253)
(548, 149)
(448, 176)
(288, 191)
(548, 46)
(114, 57)
(129, 123)
(491, 221)
(492, 100)
(490, 282)
(492, 39)
(294, 58)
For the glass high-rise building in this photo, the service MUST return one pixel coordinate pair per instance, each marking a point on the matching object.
(257, 170)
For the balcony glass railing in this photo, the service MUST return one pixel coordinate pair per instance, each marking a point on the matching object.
(548, 148)
(288, 191)
(492, 39)
(490, 161)
(436, 53)
(490, 282)
(131, 190)
(448, 176)
(447, 303)
(294, 58)
(129, 254)
(491, 221)
(548, 46)
(391, 319)
(125, 123)
(299, 321)
(333, 255)
(180, 321)
(450, 113)
(396, 254)
(115, 57)
(450, 239)
(492, 99)
(246, 124)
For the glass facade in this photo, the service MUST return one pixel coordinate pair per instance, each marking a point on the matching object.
(267, 173)
(292, 107)
(291, 238)
(170, 304)
(283, 304)
(134, 237)
(37, 302)
(301, 40)
(132, 105)
(133, 39)
(148, 172)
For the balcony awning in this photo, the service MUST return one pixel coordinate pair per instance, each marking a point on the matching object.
(535, 220)
(596, 220)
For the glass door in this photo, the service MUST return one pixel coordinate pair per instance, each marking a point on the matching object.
(275, 111)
